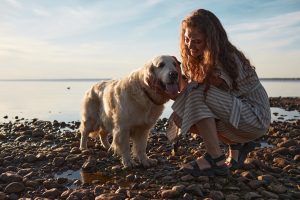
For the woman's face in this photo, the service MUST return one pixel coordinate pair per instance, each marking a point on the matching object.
(195, 42)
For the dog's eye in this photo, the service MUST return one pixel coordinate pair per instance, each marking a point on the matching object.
(161, 65)
(174, 63)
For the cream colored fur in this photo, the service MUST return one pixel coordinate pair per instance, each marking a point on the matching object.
(125, 109)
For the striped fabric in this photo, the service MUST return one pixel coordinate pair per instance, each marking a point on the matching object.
(241, 116)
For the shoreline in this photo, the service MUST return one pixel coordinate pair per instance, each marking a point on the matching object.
(41, 159)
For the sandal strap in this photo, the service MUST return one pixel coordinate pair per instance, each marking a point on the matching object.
(213, 161)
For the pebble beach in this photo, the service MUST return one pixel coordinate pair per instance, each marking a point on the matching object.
(42, 160)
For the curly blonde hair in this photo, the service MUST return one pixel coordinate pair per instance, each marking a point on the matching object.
(218, 49)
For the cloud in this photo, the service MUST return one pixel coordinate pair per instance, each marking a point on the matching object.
(270, 33)
(41, 12)
(14, 3)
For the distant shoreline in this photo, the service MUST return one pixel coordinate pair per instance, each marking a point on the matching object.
(55, 80)
(99, 79)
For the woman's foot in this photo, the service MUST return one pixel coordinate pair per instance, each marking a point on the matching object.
(238, 154)
(207, 166)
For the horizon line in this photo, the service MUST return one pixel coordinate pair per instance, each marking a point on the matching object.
(98, 79)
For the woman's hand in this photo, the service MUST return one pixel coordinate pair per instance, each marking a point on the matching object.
(218, 82)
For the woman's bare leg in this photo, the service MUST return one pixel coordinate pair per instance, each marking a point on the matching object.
(207, 129)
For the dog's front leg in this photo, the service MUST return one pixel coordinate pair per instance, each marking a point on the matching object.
(83, 140)
(121, 146)
(140, 139)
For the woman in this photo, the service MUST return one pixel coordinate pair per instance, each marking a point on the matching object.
(222, 100)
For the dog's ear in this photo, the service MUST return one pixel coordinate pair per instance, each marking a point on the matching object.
(149, 74)
(176, 60)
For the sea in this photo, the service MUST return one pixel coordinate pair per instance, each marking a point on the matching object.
(60, 99)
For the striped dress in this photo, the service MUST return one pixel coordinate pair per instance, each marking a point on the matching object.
(241, 116)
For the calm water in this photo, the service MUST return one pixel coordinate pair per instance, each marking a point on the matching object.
(60, 100)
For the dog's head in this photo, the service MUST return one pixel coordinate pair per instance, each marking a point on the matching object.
(163, 72)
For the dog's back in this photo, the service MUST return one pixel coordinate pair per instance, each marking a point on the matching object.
(128, 109)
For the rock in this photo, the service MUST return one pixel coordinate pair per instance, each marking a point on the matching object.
(187, 196)
(58, 161)
(195, 189)
(3, 195)
(66, 194)
(277, 188)
(252, 195)
(30, 158)
(169, 194)
(281, 162)
(204, 179)
(247, 174)
(14, 187)
(50, 183)
(21, 138)
(254, 184)
(267, 178)
(110, 196)
(296, 158)
(89, 165)
(32, 183)
(81, 194)
(187, 178)
(296, 195)
(10, 176)
(288, 143)
(232, 197)
(269, 195)
(216, 195)
(75, 150)
(38, 133)
(178, 188)
(52, 193)
(281, 150)
(24, 171)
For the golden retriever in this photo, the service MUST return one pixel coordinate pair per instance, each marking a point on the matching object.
(129, 108)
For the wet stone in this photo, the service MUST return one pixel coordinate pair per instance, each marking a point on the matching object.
(14, 187)
(9, 177)
(75, 150)
(38, 133)
(254, 184)
(58, 161)
(232, 197)
(282, 151)
(169, 194)
(195, 189)
(52, 193)
(266, 178)
(277, 188)
(252, 195)
(216, 195)
(30, 158)
(178, 188)
(110, 196)
(269, 194)
(187, 178)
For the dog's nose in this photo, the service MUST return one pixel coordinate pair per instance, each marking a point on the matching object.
(173, 75)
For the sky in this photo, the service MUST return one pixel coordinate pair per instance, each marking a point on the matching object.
(42, 39)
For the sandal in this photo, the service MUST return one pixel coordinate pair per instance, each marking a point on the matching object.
(221, 170)
(243, 149)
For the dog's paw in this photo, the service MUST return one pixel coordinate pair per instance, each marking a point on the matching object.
(129, 164)
(149, 162)
(82, 148)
